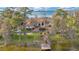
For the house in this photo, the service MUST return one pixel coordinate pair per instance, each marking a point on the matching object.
(36, 24)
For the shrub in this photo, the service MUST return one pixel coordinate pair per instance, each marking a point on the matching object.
(60, 43)
(1, 37)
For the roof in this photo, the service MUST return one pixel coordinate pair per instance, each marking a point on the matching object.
(38, 20)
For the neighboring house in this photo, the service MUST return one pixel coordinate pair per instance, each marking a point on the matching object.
(36, 23)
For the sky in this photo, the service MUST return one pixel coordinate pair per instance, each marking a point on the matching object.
(45, 11)
(48, 11)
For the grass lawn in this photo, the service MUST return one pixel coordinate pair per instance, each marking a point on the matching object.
(15, 48)
(25, 38)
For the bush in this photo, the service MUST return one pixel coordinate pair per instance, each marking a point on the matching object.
(76, 44)
(60, 43)
(1, 37)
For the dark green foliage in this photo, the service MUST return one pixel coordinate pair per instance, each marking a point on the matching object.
(1, 37)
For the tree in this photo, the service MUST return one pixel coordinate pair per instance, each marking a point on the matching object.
(12, 18)
(64, 24)
(59, 20)
(63, 21)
